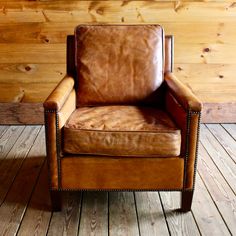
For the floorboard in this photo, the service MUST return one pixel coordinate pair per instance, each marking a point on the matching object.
(231, 129)
(66, 222)
(8, 139)
(25, 202)
(221, 193)
(3, 129)
(16, 201)
(150, 214)
(178, 223)
(122, 214)
(206, 214)
(94, 215)
(38, 213)
(14, 159)
(227, 141)
(219, 156)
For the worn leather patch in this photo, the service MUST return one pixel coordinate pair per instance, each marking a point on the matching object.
(121, 131)
(119, 64)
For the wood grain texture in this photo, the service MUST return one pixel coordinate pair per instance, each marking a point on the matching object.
(94, 215)
(21, 113)
(26, 208)
(220, 157)
(217, 74)
(33, 44)
(122, 214)
(193, 53)
(38, 213)
(224, 138)
(222, 194)
(208, 219)
(15, 203)
(116, 11)
(178, 223)
(53, 32)
(25, 93)
(66, 222)
(3, 129)
(8, 139)
(231, 129)
(15, 158)
(150, 214)
(218, 112)
(24, 73)
(32, 53)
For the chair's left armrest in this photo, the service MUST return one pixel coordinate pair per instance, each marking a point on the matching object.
(57, 109)
(59, 95)
(182, 93)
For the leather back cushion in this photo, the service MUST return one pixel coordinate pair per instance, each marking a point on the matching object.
(118, 64)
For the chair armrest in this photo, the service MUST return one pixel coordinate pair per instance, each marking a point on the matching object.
(57, 109)
(59, 95)
(185, 110)
(182, 94)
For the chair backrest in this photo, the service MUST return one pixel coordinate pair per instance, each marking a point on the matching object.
(118, 64)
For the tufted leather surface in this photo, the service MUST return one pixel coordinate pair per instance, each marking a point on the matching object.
(119, 64)
(121, 131)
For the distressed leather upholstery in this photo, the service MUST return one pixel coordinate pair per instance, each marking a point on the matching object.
(121, 131)
(182, 93)
(119, 64)
(120, 119)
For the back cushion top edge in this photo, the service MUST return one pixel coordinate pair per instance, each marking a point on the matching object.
(119, 64)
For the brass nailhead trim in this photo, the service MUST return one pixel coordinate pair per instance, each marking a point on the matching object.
(47, 148)
(58, 146)
(120, 190)
(186, 148)
(58, 143)
(189, 116)
(196, 153)
(50, 111)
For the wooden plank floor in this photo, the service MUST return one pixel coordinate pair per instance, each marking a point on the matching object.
(25, 203)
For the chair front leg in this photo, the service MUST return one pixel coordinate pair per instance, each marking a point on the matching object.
(186, 201)
(55, 200)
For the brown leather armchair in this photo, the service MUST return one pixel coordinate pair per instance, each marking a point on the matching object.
(120, 119)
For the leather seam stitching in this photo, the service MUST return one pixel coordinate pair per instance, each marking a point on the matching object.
(116, 131)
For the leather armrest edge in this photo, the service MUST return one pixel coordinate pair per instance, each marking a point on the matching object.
(59, 95)
(182, 93)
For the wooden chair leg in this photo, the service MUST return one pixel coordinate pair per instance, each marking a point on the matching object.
(55, 200)
(186, 201)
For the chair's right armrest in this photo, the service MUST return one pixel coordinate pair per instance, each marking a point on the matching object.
(182, 94)
(185, 110)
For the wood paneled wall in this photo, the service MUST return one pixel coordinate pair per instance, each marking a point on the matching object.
(33, 36)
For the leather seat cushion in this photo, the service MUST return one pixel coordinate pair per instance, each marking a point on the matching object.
(121, 131)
